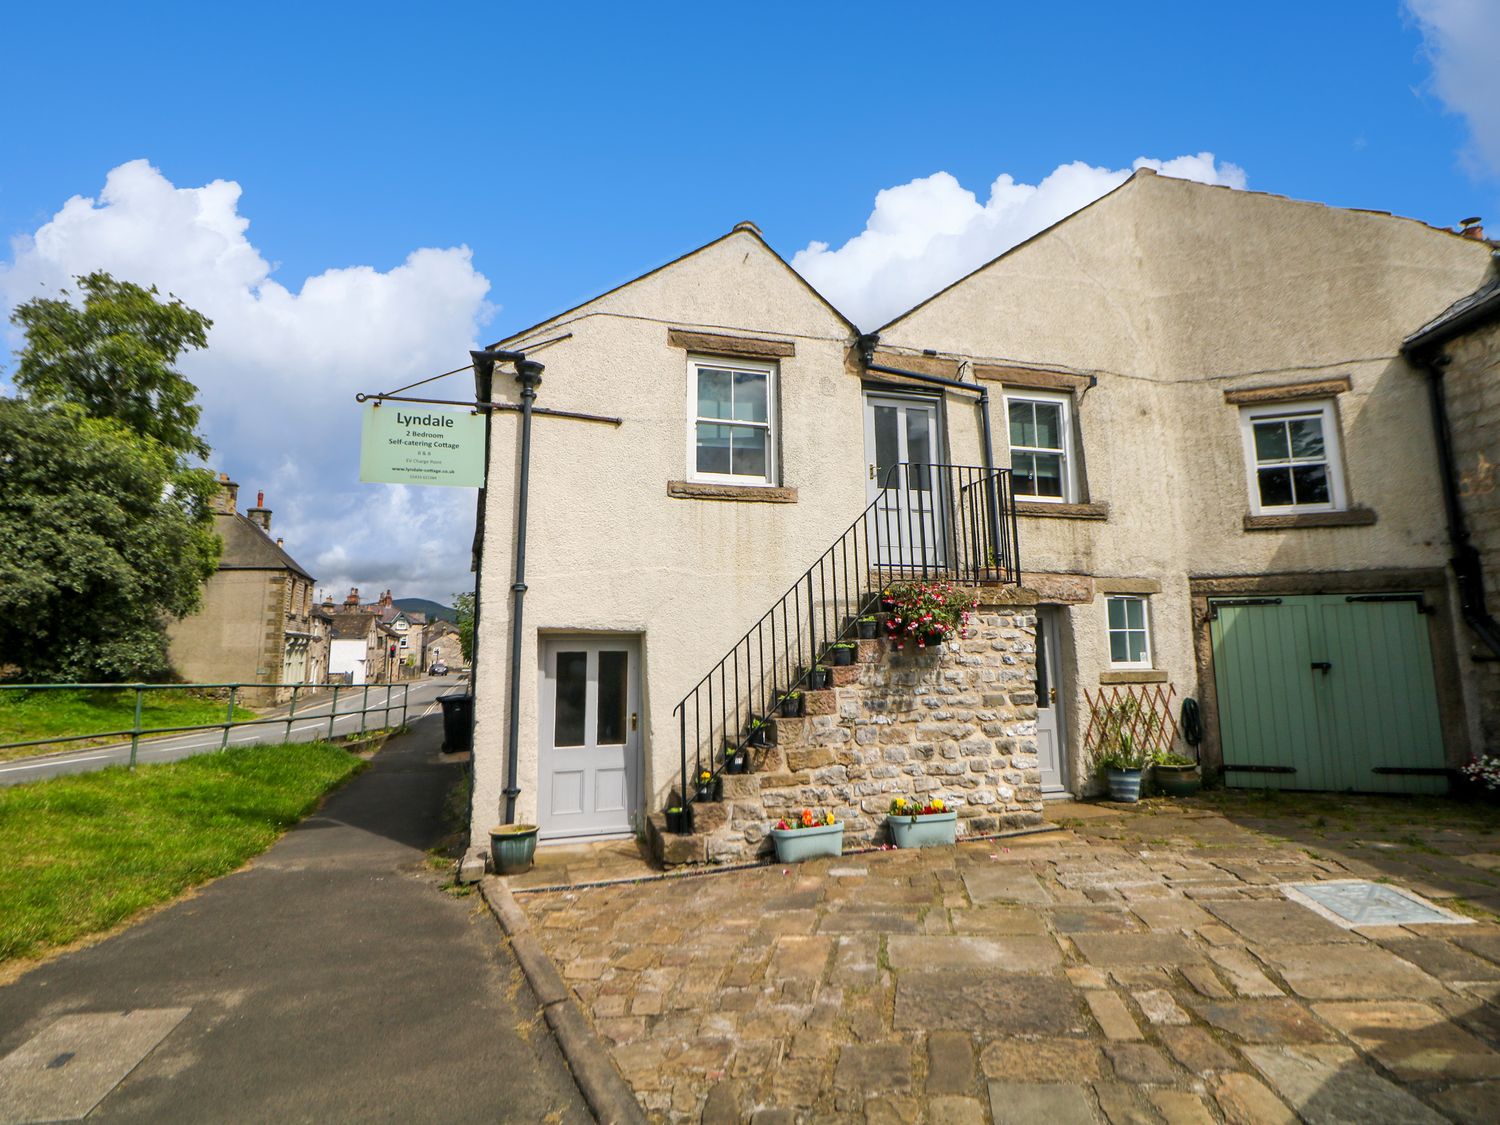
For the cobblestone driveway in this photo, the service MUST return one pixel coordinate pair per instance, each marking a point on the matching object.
(1132, 967)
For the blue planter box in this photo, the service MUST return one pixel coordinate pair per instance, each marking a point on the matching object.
(796, 844)
(930, 831)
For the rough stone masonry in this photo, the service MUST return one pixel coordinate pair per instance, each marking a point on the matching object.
(956, 722)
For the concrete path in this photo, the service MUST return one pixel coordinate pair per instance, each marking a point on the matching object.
(332, 980)
(381, 705)
(1147, 964)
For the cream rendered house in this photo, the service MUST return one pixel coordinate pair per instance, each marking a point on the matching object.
(1201, 398)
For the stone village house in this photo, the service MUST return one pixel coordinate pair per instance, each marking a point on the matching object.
(256, 625)
(1223, 479)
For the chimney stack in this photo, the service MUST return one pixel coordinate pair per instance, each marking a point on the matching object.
(224, 500)
(353, 598)
(1470, 228)
(385, 599)
(260, 514)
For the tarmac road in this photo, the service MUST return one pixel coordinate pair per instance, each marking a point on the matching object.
(310, 722)
(330, 980)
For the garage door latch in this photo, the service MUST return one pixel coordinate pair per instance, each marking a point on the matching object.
(1323, 666)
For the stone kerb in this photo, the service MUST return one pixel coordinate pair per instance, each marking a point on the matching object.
(957, 722)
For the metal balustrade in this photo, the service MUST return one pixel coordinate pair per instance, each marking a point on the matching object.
(928, 522)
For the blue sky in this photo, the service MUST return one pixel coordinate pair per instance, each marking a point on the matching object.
(572, 147)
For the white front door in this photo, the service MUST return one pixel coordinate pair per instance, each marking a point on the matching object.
(1050, 749)
(589, 745)
(908, 526)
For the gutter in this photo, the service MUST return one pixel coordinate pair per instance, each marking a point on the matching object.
(867, 343)
(1468, 569)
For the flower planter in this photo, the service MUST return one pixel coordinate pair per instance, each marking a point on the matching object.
(512, 847)
(1124, 785)
(817, 679)
(930, 831)
(868, 629)
(843, 656)
(677, 822)
(796, 844)
(790, 706)
(1178, 781)
(737, 762)
(760, 736)
(705, 791)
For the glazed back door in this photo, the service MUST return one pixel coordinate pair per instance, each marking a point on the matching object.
(901, 441)
(589, 745)
(1051, 757)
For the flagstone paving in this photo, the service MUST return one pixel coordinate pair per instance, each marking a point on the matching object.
(1138, 965)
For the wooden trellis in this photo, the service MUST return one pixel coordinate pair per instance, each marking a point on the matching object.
(1142, 712)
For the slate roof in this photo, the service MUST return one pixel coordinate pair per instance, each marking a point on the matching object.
(247, 547)
(351, 626)
(1481, 305)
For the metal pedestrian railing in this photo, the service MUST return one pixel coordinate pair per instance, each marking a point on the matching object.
(928, 521)
(310, 694)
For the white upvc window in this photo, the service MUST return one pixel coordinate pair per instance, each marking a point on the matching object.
(731, 421)
(1041, 446)
(1129, 628)
(1292, 458)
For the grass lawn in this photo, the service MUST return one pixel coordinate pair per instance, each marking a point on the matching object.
(25, 715)
(81, 854)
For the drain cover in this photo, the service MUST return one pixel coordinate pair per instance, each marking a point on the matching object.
(1358, 902)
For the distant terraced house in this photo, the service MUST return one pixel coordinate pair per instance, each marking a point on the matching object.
(1171, 442)
(256, 624)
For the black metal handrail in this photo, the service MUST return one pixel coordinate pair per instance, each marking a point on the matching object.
(929, 521)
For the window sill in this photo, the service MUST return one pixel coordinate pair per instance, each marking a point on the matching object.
(1350, 517)
(1134, 676)
(765, 494)
(1062, 511)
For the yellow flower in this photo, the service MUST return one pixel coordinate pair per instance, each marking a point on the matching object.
(937, 803)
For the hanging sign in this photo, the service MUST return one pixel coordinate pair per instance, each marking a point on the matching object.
(403, 443)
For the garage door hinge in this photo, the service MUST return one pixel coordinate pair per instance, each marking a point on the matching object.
(1214, 604)
(1258, 769)
(1422, 606)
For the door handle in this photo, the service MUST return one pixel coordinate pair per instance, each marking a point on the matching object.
(1323, 666)
(1052, 695)
(632, 720)
(872, 472)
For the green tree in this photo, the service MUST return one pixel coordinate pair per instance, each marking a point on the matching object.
(103, 537)
(114, 357)
(463, 608)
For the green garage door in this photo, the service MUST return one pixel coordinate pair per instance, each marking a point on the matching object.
(1327, 692)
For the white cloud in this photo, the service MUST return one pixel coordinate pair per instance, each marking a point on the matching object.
(928, 233)
(1463, 42)
(278, 379)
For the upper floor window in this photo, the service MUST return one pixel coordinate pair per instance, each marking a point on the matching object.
(731, 415)
(1041, 446)
(1292, 456)
(1129, 632)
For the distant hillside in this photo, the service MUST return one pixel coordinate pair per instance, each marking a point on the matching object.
(432, 609)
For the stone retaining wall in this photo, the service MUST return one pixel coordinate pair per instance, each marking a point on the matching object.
(957, 722)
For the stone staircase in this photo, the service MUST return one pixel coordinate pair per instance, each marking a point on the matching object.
(957, 722)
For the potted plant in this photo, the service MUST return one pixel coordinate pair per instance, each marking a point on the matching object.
(1127, 733)
(1176, 775)
(1479, 779)
(760, 732)
(704, 790)
(868, 626)
(915, 824)
(817, 678)
(790, 705)
(927, 613)
(512, 847)
(677, 819)
(842, 653)
(808, 836)
(736, 759)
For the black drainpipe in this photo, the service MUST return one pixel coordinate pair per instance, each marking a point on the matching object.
(529, 376)
(1468, 570)
(867, 344)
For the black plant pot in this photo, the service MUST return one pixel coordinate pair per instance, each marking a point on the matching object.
(790, 707)
(760, 736)
(738, 762)
(703, 792)
(677, 822)
(867, 630)
(817, 679)
(842, 657)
